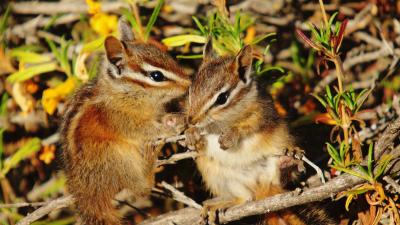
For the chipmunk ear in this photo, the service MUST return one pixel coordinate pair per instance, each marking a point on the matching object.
(242, 63)
(115, 52)
(125, 30)
(208, 51)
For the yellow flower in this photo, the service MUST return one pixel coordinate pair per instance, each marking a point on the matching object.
(48, 154)
(103, 24)
(94, 7)
(100, 22)
(52, 96)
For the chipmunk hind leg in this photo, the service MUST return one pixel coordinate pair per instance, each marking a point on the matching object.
(212, 207)
(99, 212)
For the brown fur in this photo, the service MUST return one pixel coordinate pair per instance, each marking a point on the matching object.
(106, 132)
(248, 128)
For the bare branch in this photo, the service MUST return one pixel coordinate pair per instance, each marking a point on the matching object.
(392, 183)
(386, 140)
(315, 167)
(180, 197)
(177, 157)
(53, 8)
(58, 203)
(23, 204)
(274, 203)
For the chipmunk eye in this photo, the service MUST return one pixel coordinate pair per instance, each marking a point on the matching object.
(222, 98)
(157, 76)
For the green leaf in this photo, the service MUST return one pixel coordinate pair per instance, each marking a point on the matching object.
(329, 98)
(4, 20)
(183, 39)
(53, 19)
(333, 153)
(24, 152)
(94, 45)
(351, 172)
(314, 31)
(64, 58)
(200, 26)
(348, 101)
(328, 92)
(336, 101)
(94, 67)
(363, 170)
(29, 48)
(237, 24)
(54, 49)
(132, 20)
(269, 68)
(382, 164)
(360, 99)
(2, 130)
(199, 56)
(3, 104)
(342, 151)
(29, 57)
(332, 18)
(32, 71)
(370, 159)
(321, 100)
(262, 37)
(153, 19)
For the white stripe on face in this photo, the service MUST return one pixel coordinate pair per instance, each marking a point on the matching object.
(167, 74)
(211, 102)
(231, 96)
(145, 78)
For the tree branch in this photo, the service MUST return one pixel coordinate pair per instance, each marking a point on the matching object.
(53, 8)
(274, 203)
(58, 203)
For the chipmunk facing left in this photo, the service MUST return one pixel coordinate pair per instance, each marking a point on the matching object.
(111, 121)
(244, 135)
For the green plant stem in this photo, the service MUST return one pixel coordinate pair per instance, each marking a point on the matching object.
(136, 14)
(321, 3)
(339, 72)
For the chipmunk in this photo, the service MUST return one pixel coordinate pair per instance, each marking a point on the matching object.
(110, 123)
(239, 155)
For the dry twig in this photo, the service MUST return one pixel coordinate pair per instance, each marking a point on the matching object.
(180, 197)
(274, 203)
(58, 203)
(392, 183)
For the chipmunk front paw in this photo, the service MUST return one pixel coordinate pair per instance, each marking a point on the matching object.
(151, 150)
(192, 137)
(229, 139)
(292, 159)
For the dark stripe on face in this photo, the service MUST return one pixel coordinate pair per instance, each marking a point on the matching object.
(170, 66)
(239, 96)
(110, 73)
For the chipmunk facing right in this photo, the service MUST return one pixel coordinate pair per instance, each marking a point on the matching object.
(244, 135)
(110, 124)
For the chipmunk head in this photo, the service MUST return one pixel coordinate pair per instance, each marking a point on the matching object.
(142, 66)
(221, 88)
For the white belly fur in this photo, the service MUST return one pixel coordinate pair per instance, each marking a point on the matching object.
(236, 172)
